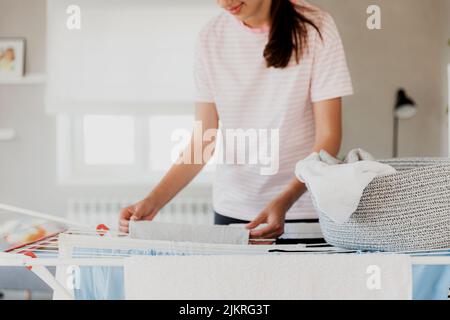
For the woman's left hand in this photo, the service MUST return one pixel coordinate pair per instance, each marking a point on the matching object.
(274, 215)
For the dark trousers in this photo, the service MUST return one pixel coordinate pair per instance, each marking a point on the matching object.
(223, 220)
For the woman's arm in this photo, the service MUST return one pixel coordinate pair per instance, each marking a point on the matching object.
(179, 175)
(328, 136)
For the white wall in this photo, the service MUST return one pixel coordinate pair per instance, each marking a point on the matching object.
(445, 47)
(405, 53)
(28, 164)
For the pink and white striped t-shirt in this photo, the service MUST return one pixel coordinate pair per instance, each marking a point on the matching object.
(231, 72)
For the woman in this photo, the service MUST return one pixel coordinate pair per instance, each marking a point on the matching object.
(262, 64)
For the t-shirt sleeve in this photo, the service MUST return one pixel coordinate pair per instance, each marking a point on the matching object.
(330, 76)
(203, 91)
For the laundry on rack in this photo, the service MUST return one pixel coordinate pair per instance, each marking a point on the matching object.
(227, 277)
(337, 186)
(150, 230)
(98, 282)
(105, 278)
(269, 277)
(105, 283)
(431, 282)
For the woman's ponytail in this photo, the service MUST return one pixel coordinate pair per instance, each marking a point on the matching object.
(288, 34)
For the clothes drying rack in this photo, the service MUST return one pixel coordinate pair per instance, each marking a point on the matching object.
(43, 253)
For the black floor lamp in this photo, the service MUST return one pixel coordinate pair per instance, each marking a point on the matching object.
(405, 108)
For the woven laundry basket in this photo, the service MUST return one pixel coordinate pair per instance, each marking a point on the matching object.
(407, 211)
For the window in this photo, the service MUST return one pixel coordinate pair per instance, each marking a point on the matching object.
(161, 129)
(109, 140)
(127, 55)
(129, 66)
(121, 149)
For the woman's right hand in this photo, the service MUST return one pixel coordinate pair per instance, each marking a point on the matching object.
(179, 175)
(143, 210)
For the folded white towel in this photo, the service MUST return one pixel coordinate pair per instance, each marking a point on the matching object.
(268, 277)
(336, 187)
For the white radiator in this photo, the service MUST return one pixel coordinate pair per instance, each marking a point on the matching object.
(93, 211)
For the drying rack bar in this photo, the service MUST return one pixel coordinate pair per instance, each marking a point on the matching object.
(41, 215)
(18, 261)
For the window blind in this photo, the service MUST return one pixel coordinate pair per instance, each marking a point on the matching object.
(127, 56)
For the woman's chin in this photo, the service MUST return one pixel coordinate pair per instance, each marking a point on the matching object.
(242, 17)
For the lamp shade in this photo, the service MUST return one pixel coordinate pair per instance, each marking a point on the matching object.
(405, 107)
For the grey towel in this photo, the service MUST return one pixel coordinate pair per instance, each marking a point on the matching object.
(150, 230)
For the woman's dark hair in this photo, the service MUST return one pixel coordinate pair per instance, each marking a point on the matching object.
(288, 33)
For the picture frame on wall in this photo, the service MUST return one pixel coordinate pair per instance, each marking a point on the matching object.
(12, 58)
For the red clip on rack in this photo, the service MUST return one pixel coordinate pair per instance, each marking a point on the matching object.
(102, 229)
(32, 255)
